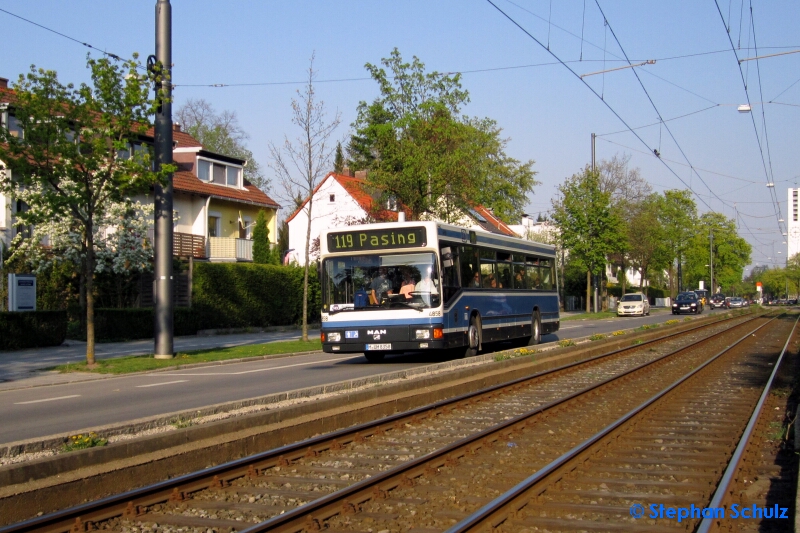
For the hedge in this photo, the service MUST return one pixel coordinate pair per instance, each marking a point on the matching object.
(235, 295)
(33, 329)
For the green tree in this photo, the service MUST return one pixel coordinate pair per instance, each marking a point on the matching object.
(77, 148)
(677, 214)
(730, 251)
(221, 133)
(338, 159)
(261, 248)
(647, 248)
(422, 153)
(590, 228)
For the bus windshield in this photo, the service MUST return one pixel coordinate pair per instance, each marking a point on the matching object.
(380, 281)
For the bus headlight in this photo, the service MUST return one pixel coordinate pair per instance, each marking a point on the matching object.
(422, 334)
(334, 336)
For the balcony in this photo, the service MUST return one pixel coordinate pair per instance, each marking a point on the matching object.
(227, 248)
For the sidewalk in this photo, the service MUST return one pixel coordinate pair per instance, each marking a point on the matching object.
(28, 365)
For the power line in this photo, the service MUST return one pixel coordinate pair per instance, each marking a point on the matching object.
(109, 54)
(610, 108)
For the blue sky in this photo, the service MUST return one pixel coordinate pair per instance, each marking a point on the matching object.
(548, 112)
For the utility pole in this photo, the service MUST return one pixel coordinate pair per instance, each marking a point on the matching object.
(711, 262)
(163, 326)
(594, 276)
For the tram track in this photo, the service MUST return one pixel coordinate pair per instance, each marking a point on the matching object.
(244, 492)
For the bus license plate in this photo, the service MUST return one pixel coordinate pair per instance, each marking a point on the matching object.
(379, 346)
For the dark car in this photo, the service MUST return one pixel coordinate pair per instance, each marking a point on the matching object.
(718, 300)
(687, 302)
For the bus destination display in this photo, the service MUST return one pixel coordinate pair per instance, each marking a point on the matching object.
(376, 239)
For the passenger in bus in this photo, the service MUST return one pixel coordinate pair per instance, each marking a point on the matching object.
(476, 280)
(407, 286)
(426, 284)
(381, 286)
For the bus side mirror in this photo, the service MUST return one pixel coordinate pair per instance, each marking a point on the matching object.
(447, 257)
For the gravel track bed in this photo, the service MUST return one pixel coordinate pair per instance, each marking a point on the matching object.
(252, 500)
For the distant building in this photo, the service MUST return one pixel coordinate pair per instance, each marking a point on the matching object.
(793, 226)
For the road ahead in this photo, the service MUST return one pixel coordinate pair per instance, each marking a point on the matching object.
(32, 412)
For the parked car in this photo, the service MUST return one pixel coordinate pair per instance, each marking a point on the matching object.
(738, 302)
(687, 302)
(634, 304)
(718, 300)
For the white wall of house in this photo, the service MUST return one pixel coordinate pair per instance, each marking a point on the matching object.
(332, 206)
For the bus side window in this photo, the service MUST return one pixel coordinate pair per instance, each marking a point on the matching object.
(450, 281)
(504, 270)
(468, 258)
(518, 272)
(546, 272)
(532, 272)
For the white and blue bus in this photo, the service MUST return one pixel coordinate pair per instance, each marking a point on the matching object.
(416, 286)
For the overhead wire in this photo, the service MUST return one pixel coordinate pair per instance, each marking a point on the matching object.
(752, 118)
(610, 108)
(650, 99)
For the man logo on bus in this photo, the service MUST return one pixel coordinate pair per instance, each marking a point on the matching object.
(376, 332)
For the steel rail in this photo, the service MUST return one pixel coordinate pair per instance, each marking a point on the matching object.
(127, 503)
(364, 489)
(723, 493)
(486, 512)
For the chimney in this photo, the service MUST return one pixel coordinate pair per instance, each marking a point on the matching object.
(361, 174)
(346, 171)
(3, 83)
(176, 126)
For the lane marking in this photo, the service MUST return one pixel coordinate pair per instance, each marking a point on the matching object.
(48, 399)
(269, 369)
(159, 384)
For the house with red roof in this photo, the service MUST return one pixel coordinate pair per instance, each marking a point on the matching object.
(345, 199)
(214, 206)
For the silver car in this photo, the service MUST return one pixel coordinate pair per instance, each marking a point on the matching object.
(634, 304)
(738, 302)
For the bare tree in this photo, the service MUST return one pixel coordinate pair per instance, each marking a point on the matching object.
(300, 164)
(220, 133)
(624, 184)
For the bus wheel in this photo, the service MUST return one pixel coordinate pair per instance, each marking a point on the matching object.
(473, 337)
(536, 330)
(374, 357)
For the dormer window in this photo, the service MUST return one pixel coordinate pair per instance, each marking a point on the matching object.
(219, 173)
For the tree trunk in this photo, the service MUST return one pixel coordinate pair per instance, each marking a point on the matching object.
(90, 294)
(588, 291)
(305, 269)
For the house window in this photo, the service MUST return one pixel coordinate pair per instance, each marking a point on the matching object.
(233, 176)
(204, 170)
(332, 198)
(13, 127)
(246, 228)
(219, 173)
(214, 223)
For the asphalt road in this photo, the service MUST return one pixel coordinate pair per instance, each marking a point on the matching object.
(29, 412)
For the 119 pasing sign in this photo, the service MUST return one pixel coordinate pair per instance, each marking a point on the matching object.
(376, 239)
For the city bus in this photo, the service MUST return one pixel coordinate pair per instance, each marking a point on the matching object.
(421, 286)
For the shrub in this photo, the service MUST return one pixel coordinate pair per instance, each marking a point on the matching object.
(112, 325)
(230, 295)
(33, 329)
(618, 333)
(597, 337)
(566, 342)
(81, 442)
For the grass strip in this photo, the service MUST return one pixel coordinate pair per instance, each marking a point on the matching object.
(143, 363)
